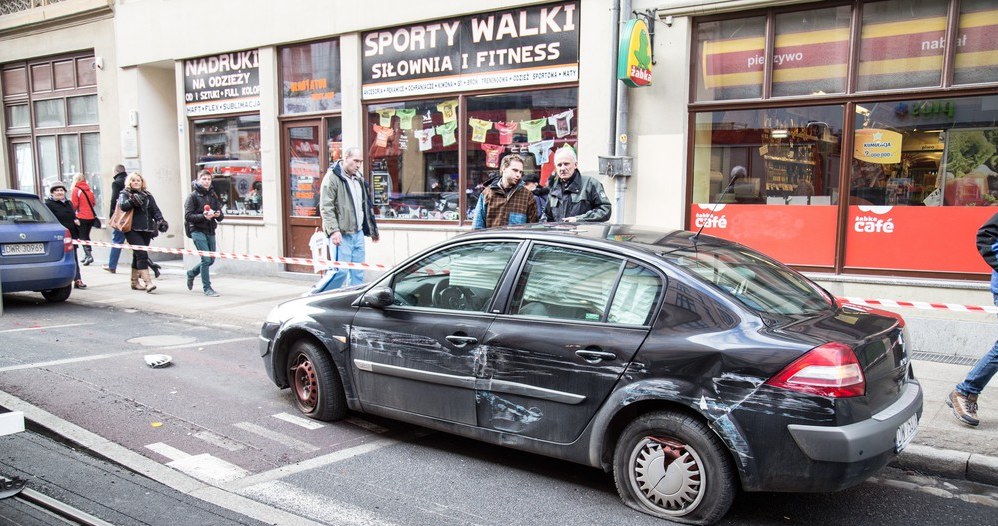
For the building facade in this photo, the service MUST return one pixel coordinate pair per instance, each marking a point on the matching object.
(867, 129)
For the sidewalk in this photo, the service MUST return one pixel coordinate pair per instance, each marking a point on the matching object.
(942, 447)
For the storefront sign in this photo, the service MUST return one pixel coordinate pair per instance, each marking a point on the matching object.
(634, 54)
(913, 238)
(518, 47)
(878, 146)
(795, 235)
(225, 83)
(886, 48)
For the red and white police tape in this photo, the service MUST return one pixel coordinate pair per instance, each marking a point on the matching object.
(922, 305)
(241, 257)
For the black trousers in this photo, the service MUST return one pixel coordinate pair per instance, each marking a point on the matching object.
(140, 258)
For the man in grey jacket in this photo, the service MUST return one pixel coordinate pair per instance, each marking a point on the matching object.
(347, 217)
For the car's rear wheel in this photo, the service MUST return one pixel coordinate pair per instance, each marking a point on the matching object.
(57, 295)
(672, 466)
(315, 383)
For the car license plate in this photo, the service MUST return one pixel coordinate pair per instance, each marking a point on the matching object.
(906, 433)
(23, 249)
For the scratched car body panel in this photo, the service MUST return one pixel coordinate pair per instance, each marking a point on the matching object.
(689, 366)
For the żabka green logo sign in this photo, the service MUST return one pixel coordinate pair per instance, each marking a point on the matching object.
(634, 54)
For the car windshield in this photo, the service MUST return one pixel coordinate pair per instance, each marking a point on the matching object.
(756, 281)
(16, 209)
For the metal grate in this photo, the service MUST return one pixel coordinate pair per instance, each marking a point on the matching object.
(8, 7)
(944, 358)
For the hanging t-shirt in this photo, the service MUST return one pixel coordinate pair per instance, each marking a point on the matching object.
(449, 109)
(446, 132)
(505, 131)
(533, 128)
(541, 151)
(492, 152)
(383, 135)
(425, 138)
(562, 122)
(479, 127)
(405, 116)
(386, 116)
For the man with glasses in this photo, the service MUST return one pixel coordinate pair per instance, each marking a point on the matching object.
(347, 217)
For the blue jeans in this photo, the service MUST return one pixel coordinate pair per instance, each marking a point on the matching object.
(117, 237)
(205, 243)
(351, 250)
(981, 374)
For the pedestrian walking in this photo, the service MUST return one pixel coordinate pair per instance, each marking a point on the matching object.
(963, 399)
(82, 198)
(117, 236)
(64, 212)
(347, 217)
(505, 201)
(202, 213)
(574, 197)
(146, 220)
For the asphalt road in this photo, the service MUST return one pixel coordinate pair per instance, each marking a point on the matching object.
(215, 417)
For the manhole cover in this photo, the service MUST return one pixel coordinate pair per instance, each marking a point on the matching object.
(162, 340)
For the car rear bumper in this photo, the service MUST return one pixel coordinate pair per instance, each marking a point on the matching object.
(38, 276)
(861, 441)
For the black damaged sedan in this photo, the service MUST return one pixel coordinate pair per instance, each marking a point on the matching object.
(689, 366)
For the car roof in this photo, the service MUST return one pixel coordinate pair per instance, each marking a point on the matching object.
(648, 239)
(17, 193)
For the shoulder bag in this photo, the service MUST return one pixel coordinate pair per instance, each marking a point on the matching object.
(97, 223)
(121, 220)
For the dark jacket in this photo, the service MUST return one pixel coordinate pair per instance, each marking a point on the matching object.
(194, 209)
(337, 208)
(64, 212)
(541, 196)
(146, 211)
(117, 185)
(583, 198)
(987, 245)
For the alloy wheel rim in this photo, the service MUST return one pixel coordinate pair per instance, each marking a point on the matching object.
(667, 475)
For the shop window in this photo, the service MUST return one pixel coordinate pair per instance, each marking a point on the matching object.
(902, 44)
(48, 161)
(310, 78)
(69, 156)
(18, 116)
(15, 82)
(229, 148)
(976, 45)
(730, 59)
(65, 74)
(50, 113)
(791, 156)
(532, 124)
(86, 72)
(41, 77)
(812, 52)
(82, 110)
(938, 152)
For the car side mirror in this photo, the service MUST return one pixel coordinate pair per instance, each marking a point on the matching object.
(379, 297)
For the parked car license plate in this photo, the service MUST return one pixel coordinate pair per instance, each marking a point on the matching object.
(905, 433)
(22, 249)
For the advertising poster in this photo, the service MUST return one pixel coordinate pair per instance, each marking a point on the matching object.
(224, 83)
(970, 164)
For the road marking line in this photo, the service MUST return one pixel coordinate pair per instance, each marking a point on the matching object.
(364, 424)
(312, 505)
(280, 438)
(218, 440)
(123, 353)
(169, 452)
(207, 468)
(311, 425)
(46, 327)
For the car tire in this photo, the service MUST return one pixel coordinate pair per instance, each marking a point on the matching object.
(674, 467)
(58, 295)
(315, 383)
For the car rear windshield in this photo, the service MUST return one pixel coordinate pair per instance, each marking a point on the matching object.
(756, 281)
(17, 209)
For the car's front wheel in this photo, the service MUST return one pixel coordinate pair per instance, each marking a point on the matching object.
(57, 295)
(315, 383)
(672, 466)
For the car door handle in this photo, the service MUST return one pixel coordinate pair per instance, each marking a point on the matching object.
(461, 341)
(595, 356)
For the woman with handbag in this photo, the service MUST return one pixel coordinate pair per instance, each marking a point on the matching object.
(145, 219)
(82, 198)
(63, 210)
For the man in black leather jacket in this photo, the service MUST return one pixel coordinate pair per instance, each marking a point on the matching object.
(575, 197)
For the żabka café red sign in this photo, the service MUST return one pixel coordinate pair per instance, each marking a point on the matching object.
(886, 49)
(878, 237)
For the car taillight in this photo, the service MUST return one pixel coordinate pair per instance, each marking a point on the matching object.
(67, 242)
(828, 370)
